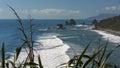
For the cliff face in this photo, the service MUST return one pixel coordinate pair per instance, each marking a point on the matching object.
(110, 23)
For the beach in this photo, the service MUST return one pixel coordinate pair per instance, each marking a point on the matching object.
(110, 35)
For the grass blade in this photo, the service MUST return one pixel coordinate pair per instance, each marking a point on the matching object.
(105, 59)
(79, 59)
(102, 56)
(31, 64)
(19, 19)
(18, 50)
(107, 56)
(3, 55)
(13, 64)
(115, 66)
(93, 56)
(39, 61)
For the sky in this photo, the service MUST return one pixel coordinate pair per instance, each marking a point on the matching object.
(58, 9)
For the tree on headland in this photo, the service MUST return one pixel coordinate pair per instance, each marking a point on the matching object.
(94, 22)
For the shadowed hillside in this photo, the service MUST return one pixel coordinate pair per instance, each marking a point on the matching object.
(110, 23)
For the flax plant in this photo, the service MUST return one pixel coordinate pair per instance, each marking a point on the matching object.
(27, 41)
(97, 60)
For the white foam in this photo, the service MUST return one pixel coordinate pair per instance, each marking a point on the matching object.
(108, 36)
(43, 29)
(85, 27)
(79, 25)
(53, 52)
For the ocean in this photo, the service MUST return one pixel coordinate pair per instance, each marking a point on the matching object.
(74, 38)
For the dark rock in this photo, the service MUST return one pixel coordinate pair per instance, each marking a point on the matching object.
(59, 26)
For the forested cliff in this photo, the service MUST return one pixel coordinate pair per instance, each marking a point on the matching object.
(112, 23)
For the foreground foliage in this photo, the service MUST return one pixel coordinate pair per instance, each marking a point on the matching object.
(27, 42)
(97, 60)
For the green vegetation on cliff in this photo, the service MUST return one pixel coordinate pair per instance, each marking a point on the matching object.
(112, 23)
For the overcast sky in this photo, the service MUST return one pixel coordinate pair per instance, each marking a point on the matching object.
(58, 9)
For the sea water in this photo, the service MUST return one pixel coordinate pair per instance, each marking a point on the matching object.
(74, 39)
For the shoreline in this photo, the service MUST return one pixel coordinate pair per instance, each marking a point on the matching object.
(109, 35)
(113, 37)
(114, 32)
